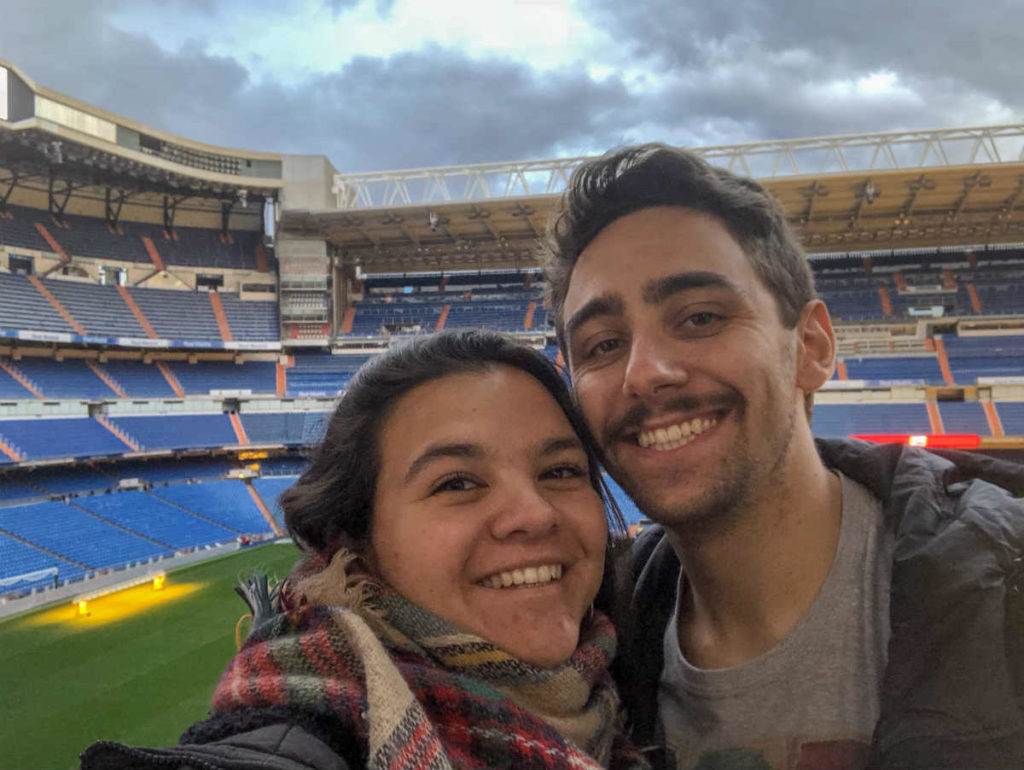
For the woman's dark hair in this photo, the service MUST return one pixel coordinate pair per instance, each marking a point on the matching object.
(332, 502)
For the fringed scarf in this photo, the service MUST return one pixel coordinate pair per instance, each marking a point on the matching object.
(418, 693)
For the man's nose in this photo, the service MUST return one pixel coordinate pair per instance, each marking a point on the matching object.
(525, 512)
(655, 366)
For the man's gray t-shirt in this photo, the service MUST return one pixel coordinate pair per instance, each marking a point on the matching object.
(812, 700)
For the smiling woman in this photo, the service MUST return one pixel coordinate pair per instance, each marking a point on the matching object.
(445, 614)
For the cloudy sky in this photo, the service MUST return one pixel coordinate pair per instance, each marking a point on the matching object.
(389, 84)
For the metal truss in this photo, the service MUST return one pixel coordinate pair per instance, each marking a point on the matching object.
(895, 151)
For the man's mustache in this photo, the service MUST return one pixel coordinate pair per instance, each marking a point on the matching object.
(639, 413)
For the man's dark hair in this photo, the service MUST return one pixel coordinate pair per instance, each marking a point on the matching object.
(649, 175)
(332, 502)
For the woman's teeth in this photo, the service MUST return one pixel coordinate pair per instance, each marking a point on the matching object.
(528, 576)
(675, 436)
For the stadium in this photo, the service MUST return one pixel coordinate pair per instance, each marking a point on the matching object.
(176, 320)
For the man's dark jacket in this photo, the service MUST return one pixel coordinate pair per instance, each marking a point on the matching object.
(953, 690)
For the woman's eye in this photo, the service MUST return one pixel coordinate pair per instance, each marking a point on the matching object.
(561, 472)
(456, 484)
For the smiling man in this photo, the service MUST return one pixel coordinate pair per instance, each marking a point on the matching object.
(804, 604)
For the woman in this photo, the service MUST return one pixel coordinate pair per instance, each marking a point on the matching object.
(445, 616)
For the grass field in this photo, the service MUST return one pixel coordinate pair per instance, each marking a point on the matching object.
(139, 669)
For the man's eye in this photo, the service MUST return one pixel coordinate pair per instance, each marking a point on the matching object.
(602, 347)
(703, 318)
(457, 483)
(703, 321)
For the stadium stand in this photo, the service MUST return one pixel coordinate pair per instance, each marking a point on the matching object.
(176, 431)
(10, 387)
(38, 439)
(177, 314)
(89, 237)
(150, 516)
(76, 535)
(99, 309)
(1012, 415)
(64, 379)
(75, 480)
(137, 379)
(322, 374)
(11, 490)
(226, 502)
(250, 320)
(294, 428)
(842, 420)
(892, 369)
(23, 307)
(963, 417)
(282, 466)
(205, 376)
(174, 470)
(20, 558)
(270, 490)
(989, 356)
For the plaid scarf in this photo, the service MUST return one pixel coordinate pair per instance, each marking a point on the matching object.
(418, 693)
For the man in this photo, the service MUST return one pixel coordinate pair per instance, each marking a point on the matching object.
(803, 604)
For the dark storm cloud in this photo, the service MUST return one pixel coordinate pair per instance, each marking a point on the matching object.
(762, 68)
(431, 107)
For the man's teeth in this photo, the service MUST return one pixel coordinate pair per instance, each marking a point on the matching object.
(675, 436)
(528, 576)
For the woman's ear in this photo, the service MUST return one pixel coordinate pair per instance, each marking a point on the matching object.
(816, 347)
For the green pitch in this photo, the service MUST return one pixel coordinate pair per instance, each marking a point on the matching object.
(140, 678)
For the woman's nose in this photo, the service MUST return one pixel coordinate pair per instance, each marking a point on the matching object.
(524, 512)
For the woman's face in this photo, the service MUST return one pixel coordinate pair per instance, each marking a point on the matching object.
(484, 513)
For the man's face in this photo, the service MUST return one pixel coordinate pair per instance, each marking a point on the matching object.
(681, 364)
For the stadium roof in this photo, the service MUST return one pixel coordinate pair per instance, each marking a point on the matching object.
(49, 138)
(867, 192)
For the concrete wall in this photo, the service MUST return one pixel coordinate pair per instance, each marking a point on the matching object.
(308, 183)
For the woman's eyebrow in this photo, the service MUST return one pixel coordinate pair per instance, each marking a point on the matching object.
(555, 445)
(438, 451)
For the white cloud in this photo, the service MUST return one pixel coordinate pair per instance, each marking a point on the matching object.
(291, 40)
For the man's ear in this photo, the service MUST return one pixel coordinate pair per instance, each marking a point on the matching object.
(816, 347)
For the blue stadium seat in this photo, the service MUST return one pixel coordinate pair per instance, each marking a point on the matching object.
(64, 379)
(186, 431)
(17, 558)
(226, 502)
(270, 490)
(204, 376)
(843, 420)
(1011, 414)
(322, 374)
(138, 380)
(99, 309)
(23, 307)
(75, 535)
(963, 417)
(148, 515)
(37, 439)
(297, 428)
(895, 369)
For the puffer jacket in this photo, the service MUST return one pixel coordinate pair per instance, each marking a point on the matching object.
(953, 690)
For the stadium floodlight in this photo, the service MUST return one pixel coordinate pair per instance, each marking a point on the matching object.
(929, 441)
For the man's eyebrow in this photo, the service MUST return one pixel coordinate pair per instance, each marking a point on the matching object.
(658, 290)
(438, 451)
(606, 304)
